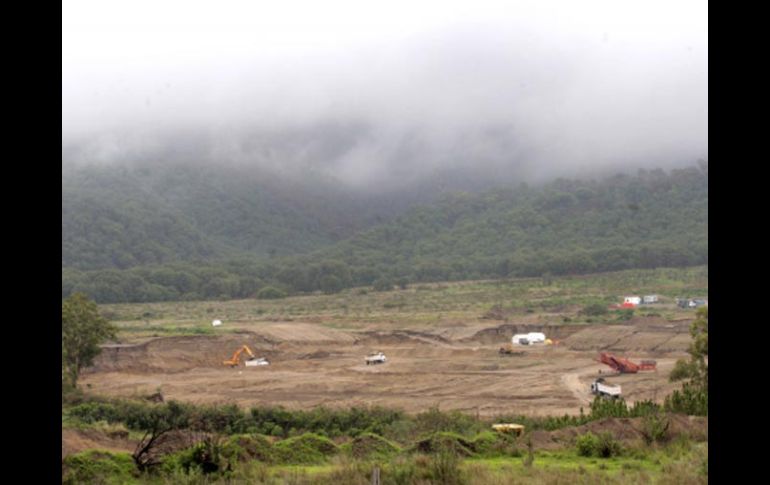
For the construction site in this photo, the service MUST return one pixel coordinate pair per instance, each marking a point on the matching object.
(480, 367)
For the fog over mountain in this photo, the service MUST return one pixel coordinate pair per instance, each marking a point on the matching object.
(379, 96)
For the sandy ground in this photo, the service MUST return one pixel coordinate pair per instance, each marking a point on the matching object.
(449, 368)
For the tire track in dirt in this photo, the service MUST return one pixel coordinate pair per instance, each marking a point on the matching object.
(572, 382)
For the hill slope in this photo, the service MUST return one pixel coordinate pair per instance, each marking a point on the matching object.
(647, 220)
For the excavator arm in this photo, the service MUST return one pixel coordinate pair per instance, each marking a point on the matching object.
(235, 360)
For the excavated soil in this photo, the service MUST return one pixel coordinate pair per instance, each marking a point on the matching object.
(457, 367)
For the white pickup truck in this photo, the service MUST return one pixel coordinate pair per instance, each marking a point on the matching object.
(600, 388)
(378, 358)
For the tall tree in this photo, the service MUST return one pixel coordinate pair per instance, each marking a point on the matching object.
(693, 397)
(82, 330)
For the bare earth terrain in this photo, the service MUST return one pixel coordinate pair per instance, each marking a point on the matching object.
(452, 368)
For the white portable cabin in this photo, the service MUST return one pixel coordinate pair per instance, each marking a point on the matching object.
(650, 299)
(536, 337)
(520, 339)
(634, 300)
(528, 338)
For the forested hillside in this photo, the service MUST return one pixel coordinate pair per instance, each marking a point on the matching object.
(220, 240)
(119, 217)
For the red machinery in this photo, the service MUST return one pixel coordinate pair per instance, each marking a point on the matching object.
(625, 366)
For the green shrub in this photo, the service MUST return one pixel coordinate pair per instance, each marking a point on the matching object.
(271, 293)
(654, 428)
(601, 446)
(444, 468)
(96, 466)
(493, 444)
(595, 310)
(608, 446)
(383, 284)
(587, 444)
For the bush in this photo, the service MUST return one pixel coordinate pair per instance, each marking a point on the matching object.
(492, 444)
(444, 468)
(601, 446)
(587, 444)
(96, 466)
(270, 293)
(655, 428)
(595, 310)
(383, 284)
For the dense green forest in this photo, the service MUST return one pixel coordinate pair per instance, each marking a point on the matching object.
(152, 234)
(119, 217)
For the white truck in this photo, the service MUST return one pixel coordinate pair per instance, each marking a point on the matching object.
(376, 358)
(600, 388)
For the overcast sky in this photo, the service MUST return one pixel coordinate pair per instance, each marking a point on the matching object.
(388, 88)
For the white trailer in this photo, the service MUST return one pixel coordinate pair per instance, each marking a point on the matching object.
(536, 337)
(377, 358)
(600, 388)
(528, 338)
(256, 362)
(520, 339)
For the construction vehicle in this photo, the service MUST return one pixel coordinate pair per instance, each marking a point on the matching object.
(625, 366)
(376, 358)
(601, 388)
(235, 360)
(515, 429)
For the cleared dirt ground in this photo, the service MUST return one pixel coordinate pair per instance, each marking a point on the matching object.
(452, 368)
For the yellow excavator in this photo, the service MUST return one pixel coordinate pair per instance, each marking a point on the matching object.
(236, 360)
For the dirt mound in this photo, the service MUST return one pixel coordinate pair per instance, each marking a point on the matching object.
(251, 447)
(503, 333)
(308, 448)
(77, 440)
(369, 444)
(443, 441)
(400, 337)
(626, 430)
(302, 332)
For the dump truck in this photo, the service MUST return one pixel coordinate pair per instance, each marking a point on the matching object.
(376, 358)
(602, 388)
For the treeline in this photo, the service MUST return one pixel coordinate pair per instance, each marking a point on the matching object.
(653, 219)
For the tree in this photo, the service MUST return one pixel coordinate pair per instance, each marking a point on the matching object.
(82, 330)
(693, 397)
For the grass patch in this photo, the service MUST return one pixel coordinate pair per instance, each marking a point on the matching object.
(96, 466)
